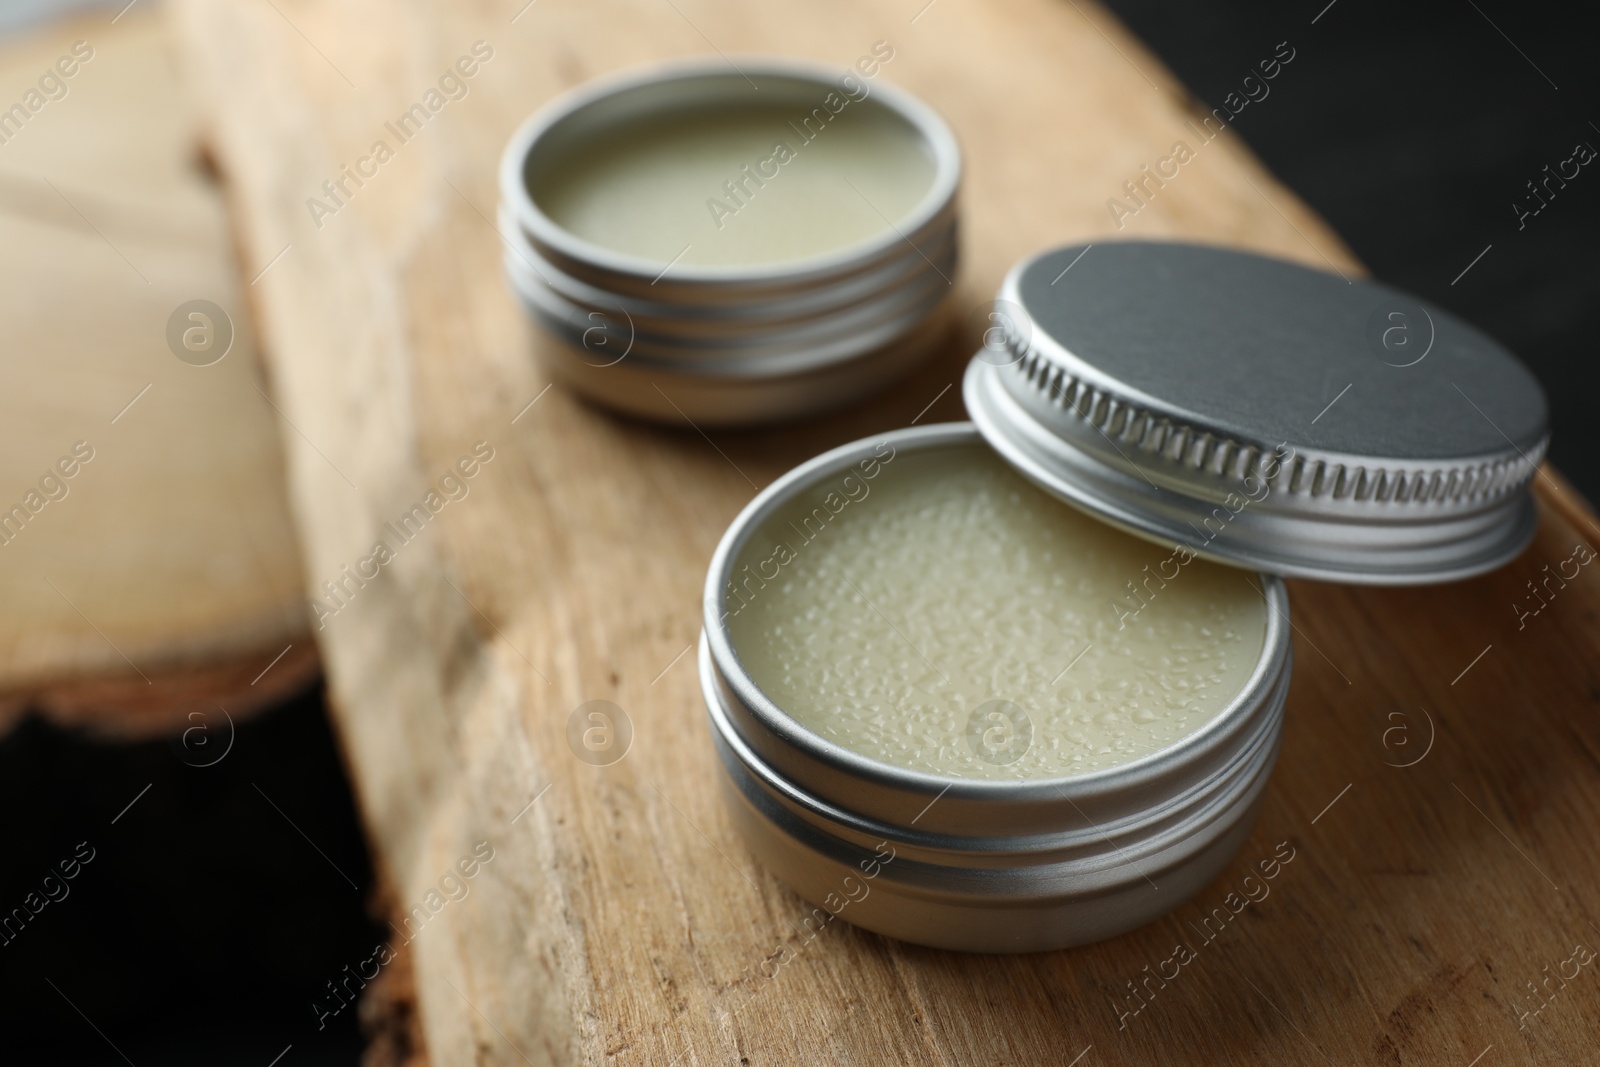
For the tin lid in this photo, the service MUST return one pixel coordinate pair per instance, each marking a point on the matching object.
(1262, 413)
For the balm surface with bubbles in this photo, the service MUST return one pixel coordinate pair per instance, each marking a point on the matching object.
(739, 184)
(945, 615)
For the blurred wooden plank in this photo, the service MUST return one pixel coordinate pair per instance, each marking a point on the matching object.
(161, 576)
(621, 920)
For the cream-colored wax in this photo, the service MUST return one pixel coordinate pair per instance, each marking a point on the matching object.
(740, 184)
(882, 617)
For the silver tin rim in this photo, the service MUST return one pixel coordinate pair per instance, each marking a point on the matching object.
(1135, 461)
(544, 233)
(985, 865)
(828, 328)
(692, 320)
(920, 249)
(713, 396)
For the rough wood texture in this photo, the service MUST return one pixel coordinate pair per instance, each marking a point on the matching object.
(163, 575)
(620, 920)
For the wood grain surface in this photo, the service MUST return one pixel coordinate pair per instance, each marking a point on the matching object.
(620, 920)
(162, 575)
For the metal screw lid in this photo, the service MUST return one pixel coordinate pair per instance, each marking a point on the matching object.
(1262, 413)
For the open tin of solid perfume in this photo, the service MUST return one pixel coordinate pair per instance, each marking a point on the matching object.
(735, 245)
(952, 709)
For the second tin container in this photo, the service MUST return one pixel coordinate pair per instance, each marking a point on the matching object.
(732, 243)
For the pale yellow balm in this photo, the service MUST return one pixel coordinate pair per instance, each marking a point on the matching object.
(909, 615)
(740, 184)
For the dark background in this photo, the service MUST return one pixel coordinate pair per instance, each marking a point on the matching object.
(206, 924)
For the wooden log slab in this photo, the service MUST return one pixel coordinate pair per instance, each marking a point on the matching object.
(1423, 908)
(147, 565)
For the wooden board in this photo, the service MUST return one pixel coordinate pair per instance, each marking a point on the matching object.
(162, 576)
(621, 920)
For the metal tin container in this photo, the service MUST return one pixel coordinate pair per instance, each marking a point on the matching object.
(726, 345)
(981, 865)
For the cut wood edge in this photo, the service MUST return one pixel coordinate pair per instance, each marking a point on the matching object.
(389, 1013)
(126, 707)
